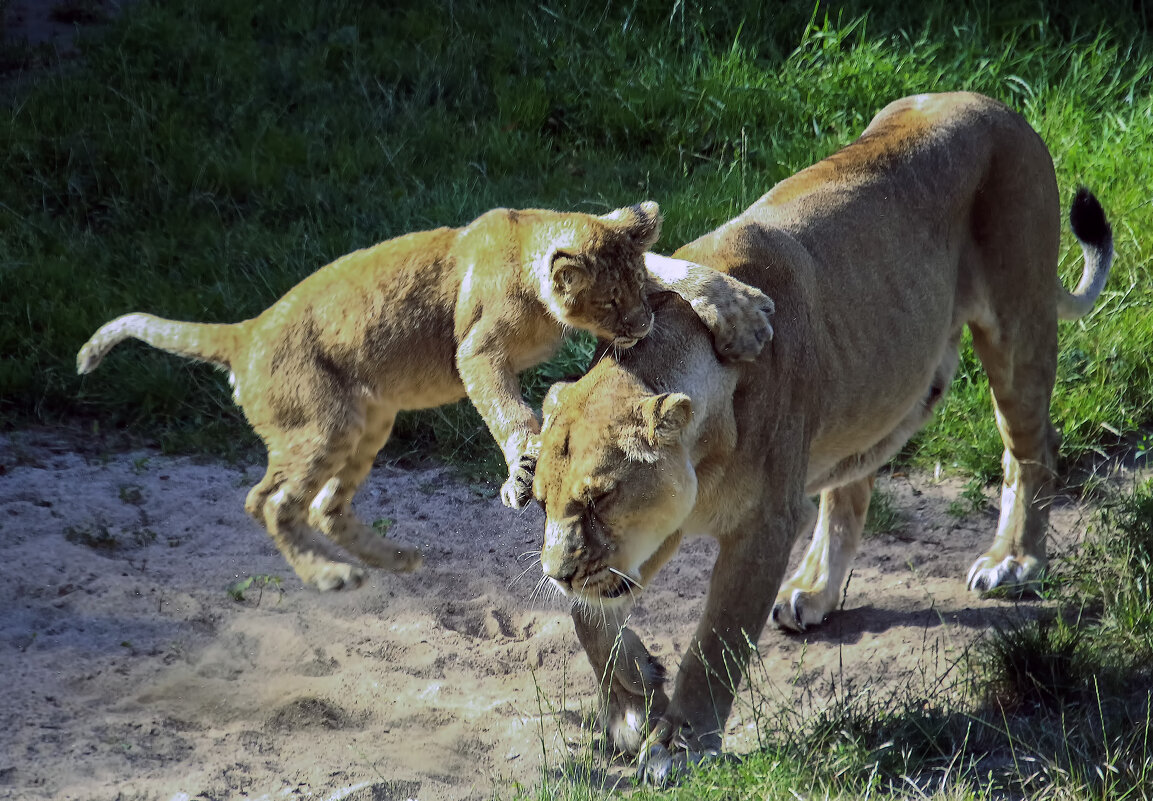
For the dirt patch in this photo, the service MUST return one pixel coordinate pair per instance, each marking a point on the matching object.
(133, 671)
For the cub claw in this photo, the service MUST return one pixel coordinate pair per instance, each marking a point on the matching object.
(516, 491)
(740, 323)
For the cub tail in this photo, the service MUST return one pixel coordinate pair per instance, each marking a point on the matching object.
(1092, 230)
(206, 342)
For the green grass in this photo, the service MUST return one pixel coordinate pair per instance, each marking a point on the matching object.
(202, 157)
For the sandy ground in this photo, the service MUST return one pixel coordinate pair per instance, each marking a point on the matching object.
(131, 672)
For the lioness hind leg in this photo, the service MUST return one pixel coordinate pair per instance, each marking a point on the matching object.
(630, 680)
(1021, 379)
(811, 593)
(299, 464)
(331, 510)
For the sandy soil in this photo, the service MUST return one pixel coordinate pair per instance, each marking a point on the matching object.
(132, 672)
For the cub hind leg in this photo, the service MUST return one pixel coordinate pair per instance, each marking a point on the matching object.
(331, 510)
(300, 462)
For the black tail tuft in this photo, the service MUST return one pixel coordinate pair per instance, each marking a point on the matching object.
(1088, 220)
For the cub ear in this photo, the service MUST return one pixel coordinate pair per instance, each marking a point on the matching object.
(640, 223)
(569, 276)
(665, 416)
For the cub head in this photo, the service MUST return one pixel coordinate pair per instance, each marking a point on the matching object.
(595, 274)
(616, 482)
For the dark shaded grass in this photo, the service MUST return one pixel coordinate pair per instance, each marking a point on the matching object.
(202, 157)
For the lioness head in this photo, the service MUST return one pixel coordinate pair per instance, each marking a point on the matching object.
(596, 273)
(616, 482)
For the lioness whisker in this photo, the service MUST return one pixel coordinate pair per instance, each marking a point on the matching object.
(522, 574)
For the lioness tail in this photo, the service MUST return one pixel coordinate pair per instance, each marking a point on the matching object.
(1096, 237)
(207, 342)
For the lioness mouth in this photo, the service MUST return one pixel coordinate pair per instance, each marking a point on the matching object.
(621, 588)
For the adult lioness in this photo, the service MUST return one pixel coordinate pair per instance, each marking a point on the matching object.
(420, 321)
(945, 213)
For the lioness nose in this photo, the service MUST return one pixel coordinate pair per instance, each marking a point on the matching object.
(559, 569)
(560, 562)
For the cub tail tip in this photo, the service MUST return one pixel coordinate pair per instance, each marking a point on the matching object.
(87, 359)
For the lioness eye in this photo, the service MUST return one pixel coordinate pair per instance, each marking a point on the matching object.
(602, 500)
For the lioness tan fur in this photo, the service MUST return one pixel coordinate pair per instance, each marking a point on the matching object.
(943, 214)
(419, 321)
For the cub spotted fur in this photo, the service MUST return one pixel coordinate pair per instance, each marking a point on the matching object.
(420, 321)
(943, 214)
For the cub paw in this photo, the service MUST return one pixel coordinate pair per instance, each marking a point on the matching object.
(516, 492)
(738, 320)
(336, 576)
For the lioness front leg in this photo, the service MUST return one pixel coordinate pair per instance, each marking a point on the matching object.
(630, 680)
(751, 562)
(811, 593)
(736, 314)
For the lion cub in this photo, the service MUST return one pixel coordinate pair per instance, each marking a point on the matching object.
(420, 321)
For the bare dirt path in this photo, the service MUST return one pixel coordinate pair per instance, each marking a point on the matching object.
(131, 672)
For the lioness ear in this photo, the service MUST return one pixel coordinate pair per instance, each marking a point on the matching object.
(568, 275)
(665, 416)
(640, 223)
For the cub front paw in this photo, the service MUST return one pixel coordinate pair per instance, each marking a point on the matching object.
(516, 491)
(738, 320)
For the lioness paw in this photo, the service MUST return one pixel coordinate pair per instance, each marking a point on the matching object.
(796, 609)
(738, 319)
(1012, 575)
(516, 491)
(663, 764)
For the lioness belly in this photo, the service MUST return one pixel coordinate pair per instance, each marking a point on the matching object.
(842, 456)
